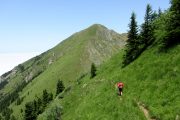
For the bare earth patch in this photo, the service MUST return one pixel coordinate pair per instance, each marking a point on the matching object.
(145, 111)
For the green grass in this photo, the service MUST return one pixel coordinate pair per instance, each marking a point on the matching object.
(152, 79)
(70, 59)
(97, 99)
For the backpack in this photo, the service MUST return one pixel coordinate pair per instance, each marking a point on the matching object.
(120, 85)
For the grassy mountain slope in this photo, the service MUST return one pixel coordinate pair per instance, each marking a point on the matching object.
(95, 44)
(152, 80)
(66, 61)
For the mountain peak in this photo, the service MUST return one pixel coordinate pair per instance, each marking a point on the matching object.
(68, 60)
(92, 30)
(97, 26)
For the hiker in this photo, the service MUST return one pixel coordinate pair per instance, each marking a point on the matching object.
(120, 86)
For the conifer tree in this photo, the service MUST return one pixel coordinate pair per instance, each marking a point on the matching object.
(175, 9)
(133, 32)
(132, 41)
(29, 111)
(159, 12)
(146, 30)
(45, 98)
(60, 87)
(173, 27)
(93, 70)
(36, 107)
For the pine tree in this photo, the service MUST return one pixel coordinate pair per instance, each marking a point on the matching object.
(154, 16)
(60, 87)
(7, 113)
(175, 9)
(133, 32)
(36, 107)
(146, 30)
(45, 98)
(159, 12)
(29, 111)
(132, 41)
(173, 27)
(93, 70)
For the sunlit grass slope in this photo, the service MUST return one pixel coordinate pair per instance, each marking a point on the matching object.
(69, 60)
(152, 79)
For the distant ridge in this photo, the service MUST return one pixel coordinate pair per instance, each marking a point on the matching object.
(67, 61)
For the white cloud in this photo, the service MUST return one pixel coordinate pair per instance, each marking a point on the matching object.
(9, 60)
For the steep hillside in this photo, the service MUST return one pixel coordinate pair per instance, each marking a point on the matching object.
(66, 61)
(152, 80)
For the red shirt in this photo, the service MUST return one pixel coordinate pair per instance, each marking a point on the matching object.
(120, 85)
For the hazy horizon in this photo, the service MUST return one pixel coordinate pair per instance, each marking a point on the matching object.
(31, 27)
(9, 60)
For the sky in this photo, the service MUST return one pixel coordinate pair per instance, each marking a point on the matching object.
(30, 27)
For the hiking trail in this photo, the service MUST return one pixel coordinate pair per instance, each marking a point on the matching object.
(145, 111)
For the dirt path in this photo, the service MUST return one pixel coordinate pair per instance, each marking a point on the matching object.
(145, 111)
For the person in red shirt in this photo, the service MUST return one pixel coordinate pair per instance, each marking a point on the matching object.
(120, 86)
